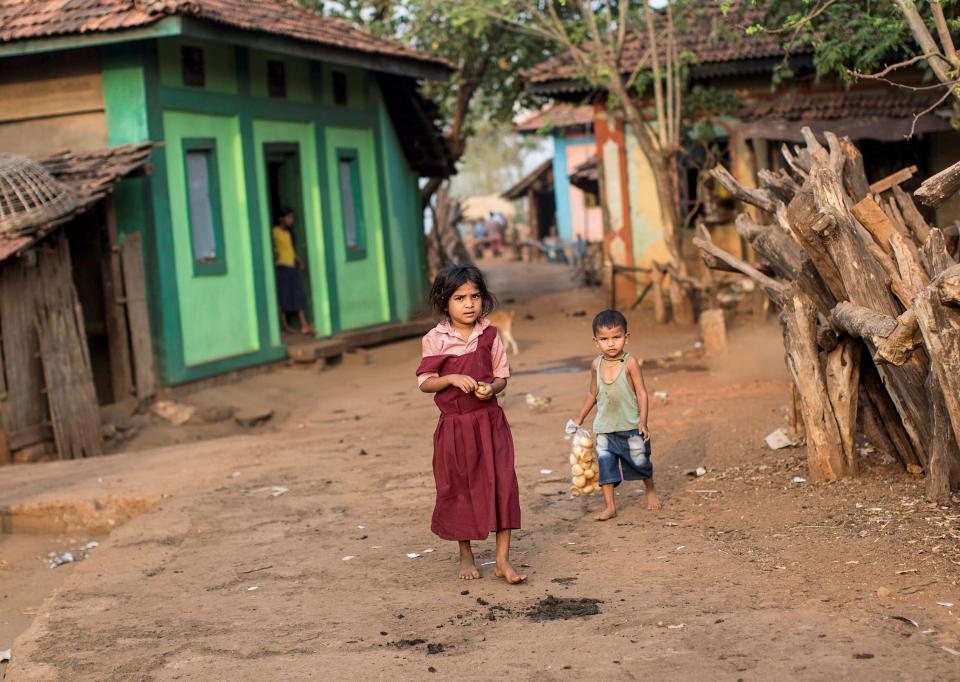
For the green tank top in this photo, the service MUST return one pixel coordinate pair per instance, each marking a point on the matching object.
(617, 407)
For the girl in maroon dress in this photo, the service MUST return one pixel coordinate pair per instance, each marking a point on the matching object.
(465, 365)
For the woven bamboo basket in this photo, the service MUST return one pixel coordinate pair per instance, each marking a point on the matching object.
(29, 195)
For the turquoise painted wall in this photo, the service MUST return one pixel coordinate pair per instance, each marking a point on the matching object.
(404, 222)
(218, 312)
(363, 298)
(301, 134)
(561, 182)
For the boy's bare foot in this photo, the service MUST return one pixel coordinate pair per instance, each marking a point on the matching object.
(653, 502)
(506, 571)
(606, 514)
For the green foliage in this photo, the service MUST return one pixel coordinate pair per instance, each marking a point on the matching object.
(844, 36)
(487, 56)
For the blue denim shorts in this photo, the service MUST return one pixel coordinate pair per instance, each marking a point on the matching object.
(628, 448)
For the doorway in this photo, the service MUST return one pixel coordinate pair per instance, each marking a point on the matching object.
(284, 191)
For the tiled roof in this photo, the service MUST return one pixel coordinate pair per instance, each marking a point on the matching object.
(556, 115)
(90, 176)
(842, 105)
(587, 174)
(707, 34)
(27, 19)
(537, 178)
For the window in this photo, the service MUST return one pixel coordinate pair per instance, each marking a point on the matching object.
(203, 207)
(276, 78)
(351, 204)
(340, 88)
(191, 66)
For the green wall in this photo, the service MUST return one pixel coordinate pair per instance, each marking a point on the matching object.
(404, 222)
(220, 310)
(301, 134)
(364, 298)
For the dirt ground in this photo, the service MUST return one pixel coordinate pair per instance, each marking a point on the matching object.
(283, 553)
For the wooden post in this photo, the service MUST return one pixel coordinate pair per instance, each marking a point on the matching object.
(713, 332)
(661, 312)
(135, 286)
(118, 341)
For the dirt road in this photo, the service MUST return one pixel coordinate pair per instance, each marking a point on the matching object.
(285, 555)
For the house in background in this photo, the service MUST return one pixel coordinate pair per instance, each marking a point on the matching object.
(253, 106)
(571, 130)
(875, 117)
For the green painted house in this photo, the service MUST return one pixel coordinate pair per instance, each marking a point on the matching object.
(254, 106)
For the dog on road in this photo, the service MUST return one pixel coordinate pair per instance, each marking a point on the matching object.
(503, 321)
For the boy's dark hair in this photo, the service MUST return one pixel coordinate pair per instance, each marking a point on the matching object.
(283, 212)
(452, 278)
(609, 319)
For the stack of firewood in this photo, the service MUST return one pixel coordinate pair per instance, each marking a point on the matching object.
(869, 300)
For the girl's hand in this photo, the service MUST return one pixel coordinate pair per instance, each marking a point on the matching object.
(484, 391)
(465, 383)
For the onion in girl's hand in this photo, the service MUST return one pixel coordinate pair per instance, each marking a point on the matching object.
(483, 389)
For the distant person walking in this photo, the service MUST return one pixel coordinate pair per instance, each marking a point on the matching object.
(290, 293)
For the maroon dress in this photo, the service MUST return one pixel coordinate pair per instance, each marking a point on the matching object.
(477, 490)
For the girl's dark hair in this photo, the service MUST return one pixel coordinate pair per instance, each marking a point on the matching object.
(283, 213)
(452, 278)
(609, 319)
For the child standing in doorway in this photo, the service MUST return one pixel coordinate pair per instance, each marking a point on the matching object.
(618, 391)
(465, 365)
(290, 293)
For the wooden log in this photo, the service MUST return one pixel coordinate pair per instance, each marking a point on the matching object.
(940, 327)
(934, 254)
(873, 429)
(911, 215)
(760, 198)
(681, 304)
(951, 235)
(802, 215)
(795, 423)
(842, 373)
(713, 331)
(948, 286)
(825, 449)
(902, 175)
(779, 184)
(896, 218)
(938, 188)
(893, 338)
(794, 162)
(854, 174)
(889, 416)
(774, 289)
(943, 469)
(876, 222)
(864, 281)
(775, 246)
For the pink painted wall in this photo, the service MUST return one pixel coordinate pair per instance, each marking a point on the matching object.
(586, 221)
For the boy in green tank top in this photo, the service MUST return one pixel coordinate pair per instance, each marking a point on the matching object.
(616, 388)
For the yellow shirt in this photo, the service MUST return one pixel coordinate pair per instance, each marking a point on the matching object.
(283, 247)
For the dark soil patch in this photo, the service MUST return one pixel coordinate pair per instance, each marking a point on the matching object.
(564, 581)
(407, 643)
(433, 649)
(563, 608)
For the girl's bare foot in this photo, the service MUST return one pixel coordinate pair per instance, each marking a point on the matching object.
(606, 514)
(506, 571)
(653, 502)
(468, 565)
(468, 569)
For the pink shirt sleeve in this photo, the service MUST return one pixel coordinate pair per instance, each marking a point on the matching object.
(429, 347)
(501, 367)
